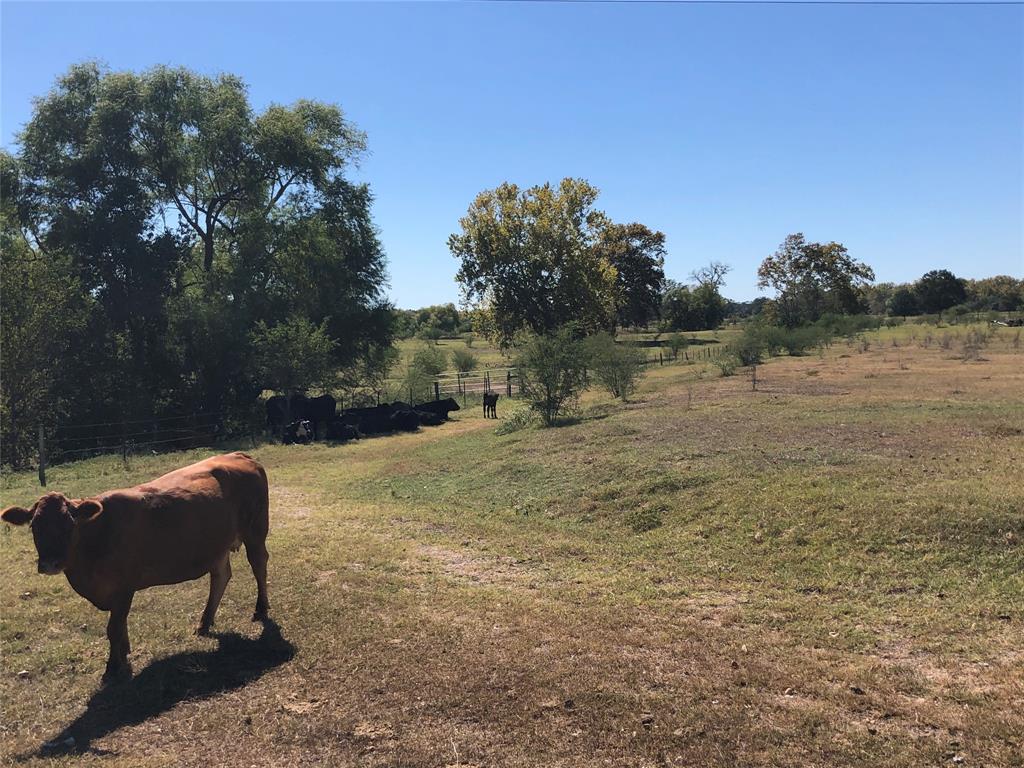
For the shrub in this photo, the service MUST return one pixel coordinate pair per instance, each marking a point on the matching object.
(618, 367)
(429, 360)
(429, 333)
(750, 347)
(796, 341)
(426, 364)
(552, 373)
(521, 418)
(468, 338)
(677, 343)
(726, 364)
(464, 360)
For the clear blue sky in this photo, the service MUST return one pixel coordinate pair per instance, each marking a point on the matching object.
(898, 131)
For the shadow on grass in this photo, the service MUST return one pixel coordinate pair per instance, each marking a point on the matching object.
(236, 662)
(596, 412)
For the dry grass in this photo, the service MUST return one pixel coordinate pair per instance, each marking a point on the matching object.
(838, 579)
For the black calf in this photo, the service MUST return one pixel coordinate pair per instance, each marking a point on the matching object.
(491, 405)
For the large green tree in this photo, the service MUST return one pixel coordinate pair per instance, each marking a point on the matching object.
(638, 255)
(529, 259)
(938, 290)
(45, 316)
(692, 308)
(188, 218)
(812, 279)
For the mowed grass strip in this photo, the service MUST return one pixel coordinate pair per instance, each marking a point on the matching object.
(827, 571)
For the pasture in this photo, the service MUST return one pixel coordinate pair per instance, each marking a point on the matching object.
(826, 571)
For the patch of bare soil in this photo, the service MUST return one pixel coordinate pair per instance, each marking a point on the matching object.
(286, 501)
(469, 566)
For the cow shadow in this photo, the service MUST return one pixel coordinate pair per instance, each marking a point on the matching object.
(236, 662)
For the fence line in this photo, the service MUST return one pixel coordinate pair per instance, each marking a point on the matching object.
(155, 420)
(62, 443)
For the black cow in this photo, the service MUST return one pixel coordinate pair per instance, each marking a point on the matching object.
(491, 405)
(300, 431)
(337, 429)
(321, 410)
(394, 417)
(369, 421)
(278, 413)
(440, 407)
(429, 418)
(404, 419)
(276, 407)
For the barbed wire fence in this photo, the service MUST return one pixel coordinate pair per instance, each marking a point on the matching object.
(72, 442)
(130, 437)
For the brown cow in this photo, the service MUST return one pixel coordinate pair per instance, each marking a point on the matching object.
(173, 529)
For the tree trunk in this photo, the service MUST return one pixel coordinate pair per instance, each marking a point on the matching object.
(208, 251)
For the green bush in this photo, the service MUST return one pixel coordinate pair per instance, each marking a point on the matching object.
(428, 361)
(519, 419)
(552, 373)
(429, 333)
(796, 341)
(847, 325)
(751, 346)
(727, 364)
(677, 342)
(617, 366)
(464, 360)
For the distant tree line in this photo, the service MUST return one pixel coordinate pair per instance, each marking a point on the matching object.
(167, 249)
(941, 291)
(440, 321)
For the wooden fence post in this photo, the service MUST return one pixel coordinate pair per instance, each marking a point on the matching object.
(661, 359)
(437, 391)
(42, 457)
(508, 383)
(753, 378)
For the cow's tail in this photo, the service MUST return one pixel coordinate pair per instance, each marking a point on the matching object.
(260, 508)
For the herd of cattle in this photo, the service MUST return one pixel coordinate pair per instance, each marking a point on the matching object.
(300, 419)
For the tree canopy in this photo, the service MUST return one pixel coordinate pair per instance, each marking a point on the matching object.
(638, 255)
(176, 219)
(539, 258)
(939, 289)
(812, 279)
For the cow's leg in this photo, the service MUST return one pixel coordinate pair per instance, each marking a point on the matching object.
(220, 575)
(117, 634)
(256, 553)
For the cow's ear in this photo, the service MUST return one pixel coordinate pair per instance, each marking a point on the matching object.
(16, 515)
(85, 510)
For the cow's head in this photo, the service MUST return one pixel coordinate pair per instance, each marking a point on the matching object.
(53, 520)
(451, 405)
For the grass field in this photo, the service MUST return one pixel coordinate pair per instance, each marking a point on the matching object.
(489, 356)
(826, 571)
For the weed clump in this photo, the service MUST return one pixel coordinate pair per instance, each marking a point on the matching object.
(519, 419)
(644, 519)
